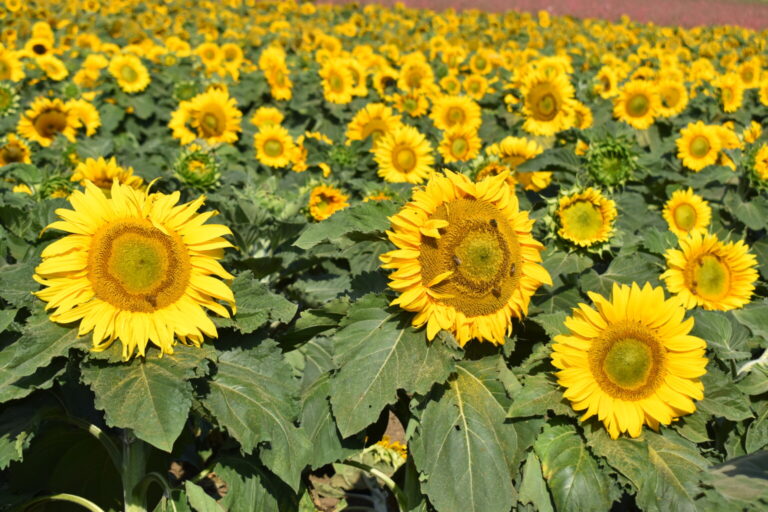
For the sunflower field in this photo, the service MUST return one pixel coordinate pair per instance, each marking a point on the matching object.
(279, 256)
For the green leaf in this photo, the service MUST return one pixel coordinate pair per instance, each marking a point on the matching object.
(151, 395)
(624, 269)
(17, 285)
(754, 316)
(6, 317)
(250, 487)
(539, 395)
(752, 213)
(464, 446)
(199, 500)
(757, 432)
(533, 489)
(255, 397)
(658, 241)
(562, 263)
(722, 333)
(755, 382)
(256, 305)
(743, 480)
(13, 387)
(378, 353)
(574, 478)
(558, 158)
(18, 426)
(553, 323)
(367, 217)
(722, 398)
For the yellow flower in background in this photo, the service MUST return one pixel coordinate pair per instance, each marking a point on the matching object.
(325, 200)
(103, 173)
(752, 132)
(698, 145)
(687, 213)
(136, 267)
(731, 92)
(630, 360)
(637, 104)
(45, 119)
(274, 146)
(14, 150)
(673, 98)
(11, 67)
(586, 218)
(265, 116)
(213, 115)
(450, 111)
(465, 260)
(52, 67)
(404, 156)
(513, 151)
(709, 273)
(548, 103)
(337, 82)
(459, 144)
(374, 120)
(761, 162)
(130, 73)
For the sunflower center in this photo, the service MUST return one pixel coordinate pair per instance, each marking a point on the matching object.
(727, 95)
(410, 105)
(547, 105)
(39, 49)
(670, 97)
(337, 84)
(455, 115)
(582, 220)
(543, 101)
(480, 63)
(747, 75)
(5, 70)
(700, 146)
(459, 147)
(405, 159)
(481, 250)
(50, 122)
(128, 74)
(375, 128)
(136, 267)
(685, 217)
(273, 148)
(11, 153)
(627, 361)
(710, 277)
(212, 123)
(638, 105)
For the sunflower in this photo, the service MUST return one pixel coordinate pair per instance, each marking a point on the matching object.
(547, 103)
(14, 150)
(404, 155)
(45, 119)
(266, 116)
(85, 115)
(750, 73)
(583, 115)
(761, 163)
(213, 115)
(324, 201)
(698, 145)
(465, 260)
(606, 83)
(476, 87)
(52, 67)
(11, 67)
(414, 104)
(38, 46)
(130, 73)
(630, 360)
(280, 84)
(586, 218)
(709, 273)
(274, 146)
(513, 151)
(637, 104)
(752, 132)
(450, 111)
(337, 81)
(731, 91)
(373, 120)
(9, 99)
(103, 172)
(686, 213)
(459, 144)
(673, 98)
(136, 267)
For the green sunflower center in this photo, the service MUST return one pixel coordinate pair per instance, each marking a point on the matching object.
(685, 217)
(480, 63)
(405, 159)
(700, 146)
(128, 74)
(582, 221)
(455, 115)
(273, 148)
(627, 363)
(337, 84)
(711, 278)
(459, 147)
(212, 124)
(638, 105)
(410, 104)
(135, 266)
(481, 250)
(547, 105)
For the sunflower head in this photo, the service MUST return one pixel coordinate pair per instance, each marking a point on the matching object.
(14, 150)
(197, 168)
(585, 219)
(699, 145)
(103, 172)
(325, 200)
(185, 90)
(465, 260)
(404, 156)
(686, 213)
(611, 161)
(629, 360)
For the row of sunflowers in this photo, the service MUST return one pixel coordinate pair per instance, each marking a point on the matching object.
(288, 256)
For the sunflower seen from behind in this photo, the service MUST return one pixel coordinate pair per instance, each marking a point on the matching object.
(136, 267)
(465, 260)
(710, 273)
(630, 360)
(686, 213)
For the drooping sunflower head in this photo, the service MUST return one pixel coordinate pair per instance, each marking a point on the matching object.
(103, 173)
(630, 360)
(637, 104)
(465, 260)
(53, 67)
(710, 273)
(611, 161)
(274, 146)
(325, 200)
(197, 168)
(404, 156)
(14, 150)
(586, 218)
(131, 75)
(374, 120)
(547, 104)
(698, 145)
(686, 213)
(45, 119)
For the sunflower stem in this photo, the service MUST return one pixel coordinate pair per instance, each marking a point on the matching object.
(133, 471)
(157, 478)
(391, 485)
(111, 448)
(71, 498)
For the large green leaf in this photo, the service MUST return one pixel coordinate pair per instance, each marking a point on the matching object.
(538, 395)
(18, 426)
(255, 397)
(722, 397)
(533, 489)
(743, 481)
(199, 500)
(378, 353)
(754, 316)
(464, 446)
(256, 305)
(151, 395)
(722, 333)
(17, 285)
(362, 218)
(574, 478)
(250, 487)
